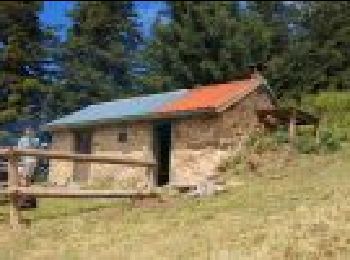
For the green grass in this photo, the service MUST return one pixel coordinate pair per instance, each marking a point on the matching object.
(301, 214)
(333, 108)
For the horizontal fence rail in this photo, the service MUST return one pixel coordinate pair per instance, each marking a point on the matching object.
(14, 191)
(40, 192)
(93, 158)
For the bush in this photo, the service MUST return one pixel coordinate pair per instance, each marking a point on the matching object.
(329, 142)
(343, 137)
(305, 142)
(306, 145)
(260, 143)
(333, 108)
(281, 136)
(234, 163)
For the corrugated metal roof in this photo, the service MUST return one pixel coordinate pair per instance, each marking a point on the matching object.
(181, 102)
(136, 107)
(212, 96)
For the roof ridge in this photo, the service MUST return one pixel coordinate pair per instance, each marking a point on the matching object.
(237, 81)
(212, 96)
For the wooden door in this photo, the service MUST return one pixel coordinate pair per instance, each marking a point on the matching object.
(82, 145)
(162, 151)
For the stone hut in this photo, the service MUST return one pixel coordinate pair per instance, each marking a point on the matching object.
(186, 132)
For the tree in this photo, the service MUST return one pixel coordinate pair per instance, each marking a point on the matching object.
(277, 16)
(317, 57)
(21, 37)
(201, 43)
(98, 56)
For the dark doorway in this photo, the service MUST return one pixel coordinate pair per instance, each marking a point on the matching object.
(82, 145)
(162, 148)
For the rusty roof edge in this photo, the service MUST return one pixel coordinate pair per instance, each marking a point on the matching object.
(235, 99)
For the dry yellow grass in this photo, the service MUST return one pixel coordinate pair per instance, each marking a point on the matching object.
(293, 209)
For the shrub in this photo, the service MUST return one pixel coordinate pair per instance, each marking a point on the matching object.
(252, 140)
(343, 137)
(334, 110)
(260, 142)
(234, 163)
(281, 136)
(306, 145)
(329, 142)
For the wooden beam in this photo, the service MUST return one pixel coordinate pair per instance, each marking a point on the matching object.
(292, 126)
(44, 192)
(317, 132)
(4, 151)
(93, 158)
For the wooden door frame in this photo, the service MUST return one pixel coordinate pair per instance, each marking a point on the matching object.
(77, 176)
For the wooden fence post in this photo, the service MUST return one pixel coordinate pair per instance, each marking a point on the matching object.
(317, 132)
(13, 185)
(292, 126)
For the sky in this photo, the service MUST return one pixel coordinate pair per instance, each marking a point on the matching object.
(54, 14)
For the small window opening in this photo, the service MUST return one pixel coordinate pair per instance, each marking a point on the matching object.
(122, 134)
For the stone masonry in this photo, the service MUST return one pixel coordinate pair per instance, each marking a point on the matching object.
(105, 141)
(138, 146)
(198, 145)
(61, 172)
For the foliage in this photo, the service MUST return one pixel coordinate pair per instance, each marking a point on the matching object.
(259, 143)
(330, 142)
(21, 59)
(306, 145)
(304, 46)
(7, 139)
(333, 109)
(281, 136)
(304, 142)
(97, 57)
(303, 52)
(316, 57)
(201, 43)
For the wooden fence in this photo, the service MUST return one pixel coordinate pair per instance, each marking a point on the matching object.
(14, 190)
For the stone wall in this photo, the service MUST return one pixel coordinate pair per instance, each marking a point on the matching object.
(138, 146)
(194, 148)
(199, 145)
(239, 120)
(105, 141)
(61, 171)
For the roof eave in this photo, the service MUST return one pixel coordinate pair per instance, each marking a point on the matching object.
(154, 116)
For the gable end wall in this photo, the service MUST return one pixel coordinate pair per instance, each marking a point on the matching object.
(200, 145)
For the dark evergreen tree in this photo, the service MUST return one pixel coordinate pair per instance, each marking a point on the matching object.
(98, 56)
(317, 57)
(21, 54)
(200, 43)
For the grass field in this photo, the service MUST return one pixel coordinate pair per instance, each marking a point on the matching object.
(291, 209)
